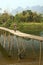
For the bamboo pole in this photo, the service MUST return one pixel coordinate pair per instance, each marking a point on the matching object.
(23, 46)
(18, 49)
(9, 44)
(4, 39)
(33, 47)
(40, 53)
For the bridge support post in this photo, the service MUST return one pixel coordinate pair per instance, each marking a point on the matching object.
(9, 50)
(40, 53)
(23, 46)
(18, 49)
(32, 46)
(4, 39)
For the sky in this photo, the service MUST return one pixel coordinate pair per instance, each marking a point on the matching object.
(13, 4)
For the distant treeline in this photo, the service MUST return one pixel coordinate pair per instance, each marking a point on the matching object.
(8, 20)
(29, 16)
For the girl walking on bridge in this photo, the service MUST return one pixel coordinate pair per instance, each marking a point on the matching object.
(15, 27)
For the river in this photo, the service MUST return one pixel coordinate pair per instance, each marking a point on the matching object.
(31, 49)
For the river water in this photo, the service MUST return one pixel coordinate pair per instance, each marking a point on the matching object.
(31, 47)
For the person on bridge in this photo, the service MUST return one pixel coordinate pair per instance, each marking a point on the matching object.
(15, 27)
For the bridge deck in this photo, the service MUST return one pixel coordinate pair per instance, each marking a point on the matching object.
(18, 33)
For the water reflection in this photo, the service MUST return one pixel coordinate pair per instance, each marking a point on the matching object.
(41, 33)
(30, 47)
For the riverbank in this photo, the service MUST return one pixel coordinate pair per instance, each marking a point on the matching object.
(30, 28)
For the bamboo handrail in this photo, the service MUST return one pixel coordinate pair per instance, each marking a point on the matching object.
(18, 33)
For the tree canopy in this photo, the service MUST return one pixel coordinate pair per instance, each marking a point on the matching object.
(8, 20)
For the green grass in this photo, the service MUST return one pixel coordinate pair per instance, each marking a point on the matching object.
(30, 28)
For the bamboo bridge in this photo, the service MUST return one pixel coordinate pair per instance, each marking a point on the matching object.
(16, 36)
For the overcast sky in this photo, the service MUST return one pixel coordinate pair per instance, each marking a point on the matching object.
(12, 4)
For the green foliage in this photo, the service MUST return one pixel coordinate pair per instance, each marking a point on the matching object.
(31, 28)
(7, 24)
(6, 19)
(23, 21)
(28, 16)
